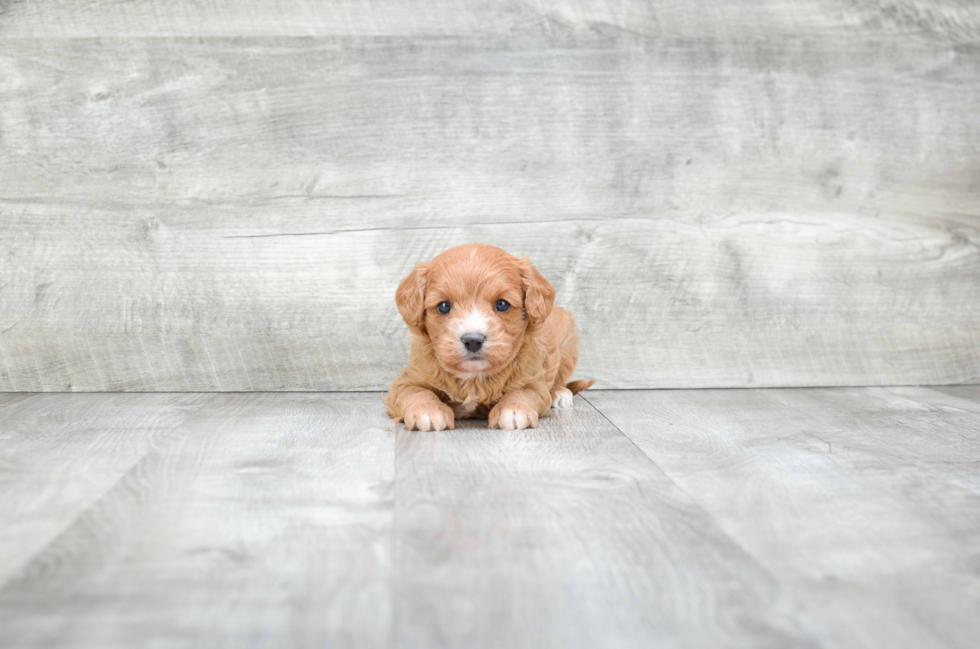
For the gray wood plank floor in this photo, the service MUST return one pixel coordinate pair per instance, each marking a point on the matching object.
(810, 517)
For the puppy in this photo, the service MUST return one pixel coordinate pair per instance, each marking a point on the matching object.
(487, 341)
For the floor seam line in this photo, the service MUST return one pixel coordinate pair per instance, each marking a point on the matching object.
(95, 502)
(762, 565)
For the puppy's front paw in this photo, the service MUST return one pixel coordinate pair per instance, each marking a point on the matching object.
(508, 417)
(562, 398)
(429, 417)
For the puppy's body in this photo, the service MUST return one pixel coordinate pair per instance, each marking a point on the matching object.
(517, 372)
(547, 357)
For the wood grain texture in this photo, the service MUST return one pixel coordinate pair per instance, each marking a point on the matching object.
(866, 502)
(943, 19)
(736, 301)
(717, 209)
(60, 453)
(566, 536)
(264, 521)
(743, 518)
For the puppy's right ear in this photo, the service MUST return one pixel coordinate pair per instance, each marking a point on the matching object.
(410, 296)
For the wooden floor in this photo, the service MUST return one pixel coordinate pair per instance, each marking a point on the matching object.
(711, 518)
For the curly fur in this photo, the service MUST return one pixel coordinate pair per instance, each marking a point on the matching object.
(530, 350)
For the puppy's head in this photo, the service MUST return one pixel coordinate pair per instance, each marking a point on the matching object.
(475, 303)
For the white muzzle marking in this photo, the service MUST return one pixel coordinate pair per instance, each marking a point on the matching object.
(474, 322)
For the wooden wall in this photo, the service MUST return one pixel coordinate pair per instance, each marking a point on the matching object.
(223, 195)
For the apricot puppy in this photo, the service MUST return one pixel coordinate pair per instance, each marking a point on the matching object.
(487, 341)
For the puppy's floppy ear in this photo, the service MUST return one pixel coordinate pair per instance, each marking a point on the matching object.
(539, 294)
(410, 296)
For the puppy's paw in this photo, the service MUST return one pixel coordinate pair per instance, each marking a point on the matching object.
(430, 417)
(508, 417)
(561, 398)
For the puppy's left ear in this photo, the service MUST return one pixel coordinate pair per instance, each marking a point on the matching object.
(539, 294)
(410, 296)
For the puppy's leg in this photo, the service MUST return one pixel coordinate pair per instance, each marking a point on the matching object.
(562, 391)
(418, 407)
(561, 397)
(568, 348)
(519, 409)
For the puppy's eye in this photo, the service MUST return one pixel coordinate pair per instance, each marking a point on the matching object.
(444, 307)
(502, 305)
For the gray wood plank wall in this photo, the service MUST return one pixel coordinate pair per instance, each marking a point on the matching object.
(223, 196)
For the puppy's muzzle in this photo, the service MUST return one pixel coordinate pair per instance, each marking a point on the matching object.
(473, 342)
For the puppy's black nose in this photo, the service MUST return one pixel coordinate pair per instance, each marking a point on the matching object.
(473, 342)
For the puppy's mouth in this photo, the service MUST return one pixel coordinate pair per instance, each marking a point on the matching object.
(474, 363)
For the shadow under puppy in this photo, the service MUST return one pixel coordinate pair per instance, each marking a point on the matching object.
(487, 341)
